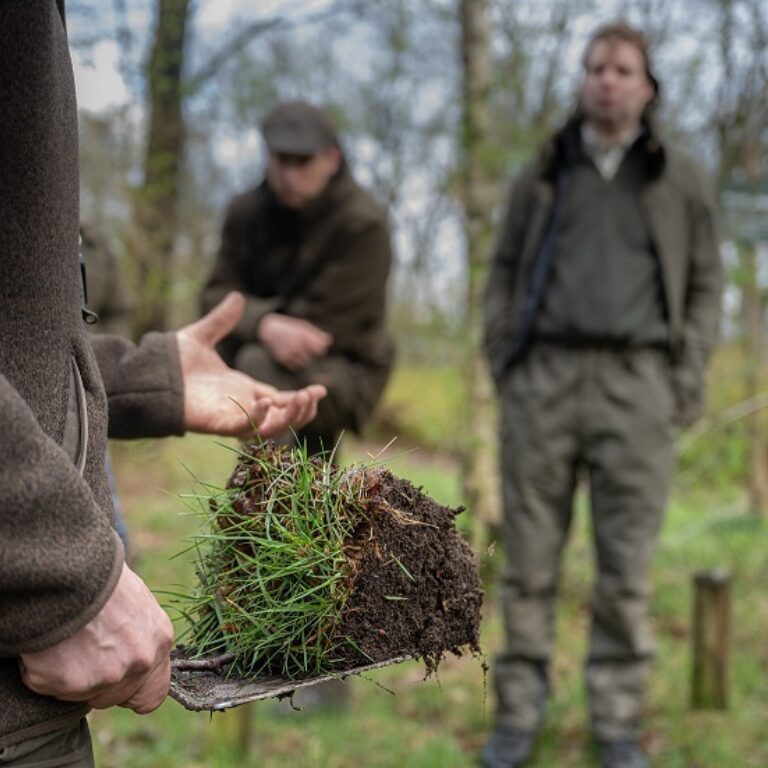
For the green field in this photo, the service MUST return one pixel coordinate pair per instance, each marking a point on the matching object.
(442, 723)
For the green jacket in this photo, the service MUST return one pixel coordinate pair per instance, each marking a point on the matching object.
(681, 218)
(59, 555)
(327, 263)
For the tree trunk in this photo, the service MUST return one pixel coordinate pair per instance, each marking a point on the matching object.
(753, 314)
(154, 211)
(479, 478)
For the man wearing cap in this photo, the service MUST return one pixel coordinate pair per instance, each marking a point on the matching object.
(601, 310)
(311, 251)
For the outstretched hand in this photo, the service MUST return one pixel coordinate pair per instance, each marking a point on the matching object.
(219, 400)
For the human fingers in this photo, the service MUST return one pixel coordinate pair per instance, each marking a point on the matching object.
(316, 392)
(153, 690)
(142, 692)
(145, 684)
(116, 694)
(299, 409)
(315, 341)
(262, 389)
(260, 411)
(275, 423)
(313, 392)
(214, 326)
(296, 358)
(308, 412)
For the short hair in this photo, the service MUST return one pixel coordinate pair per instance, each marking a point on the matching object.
(621, 31)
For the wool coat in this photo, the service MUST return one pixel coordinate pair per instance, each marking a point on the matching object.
(326, 263)
(60, 391)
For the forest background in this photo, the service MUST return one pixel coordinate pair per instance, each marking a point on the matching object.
(439, 103)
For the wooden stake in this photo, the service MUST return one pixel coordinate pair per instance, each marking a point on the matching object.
(711, 640)
(235, 728)
(245, 729)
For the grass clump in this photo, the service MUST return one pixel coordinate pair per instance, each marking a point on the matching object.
(275, 566)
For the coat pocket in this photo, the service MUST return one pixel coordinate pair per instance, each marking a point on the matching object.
(75, 442)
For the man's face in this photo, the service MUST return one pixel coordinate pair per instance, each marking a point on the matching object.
(297, 180)
(616, 89)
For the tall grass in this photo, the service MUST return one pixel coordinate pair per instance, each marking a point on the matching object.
(276, 563)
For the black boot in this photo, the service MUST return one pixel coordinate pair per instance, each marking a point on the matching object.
(621, 753)
(508, 748)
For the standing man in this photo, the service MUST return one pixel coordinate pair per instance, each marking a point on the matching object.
(311, 251)
(78, 628)
(602, 308)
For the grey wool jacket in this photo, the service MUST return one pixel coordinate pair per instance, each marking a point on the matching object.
(59, 555)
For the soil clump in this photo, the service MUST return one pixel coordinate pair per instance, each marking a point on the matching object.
(399, 580)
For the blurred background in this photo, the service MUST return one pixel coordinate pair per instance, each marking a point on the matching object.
(435, 121)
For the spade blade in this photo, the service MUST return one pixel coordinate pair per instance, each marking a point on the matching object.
(201, 689)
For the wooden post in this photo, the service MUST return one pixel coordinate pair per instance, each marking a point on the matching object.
(711, 640)
(245, 729)
(235, 728)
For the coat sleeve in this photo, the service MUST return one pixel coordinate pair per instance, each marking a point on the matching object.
(226, 276)
(500, 309)
(59, 557)
(145, 391)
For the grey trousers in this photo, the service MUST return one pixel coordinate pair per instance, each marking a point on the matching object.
(70, 747)
(608, 414)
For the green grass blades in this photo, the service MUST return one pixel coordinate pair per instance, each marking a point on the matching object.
(273, 568)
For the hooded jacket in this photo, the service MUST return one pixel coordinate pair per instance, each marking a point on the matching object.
(680, 214)
(59, 555)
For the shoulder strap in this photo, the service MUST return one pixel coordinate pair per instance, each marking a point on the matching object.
(540, 270)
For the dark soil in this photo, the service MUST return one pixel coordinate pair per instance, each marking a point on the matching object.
(416, 590)
(413, 588)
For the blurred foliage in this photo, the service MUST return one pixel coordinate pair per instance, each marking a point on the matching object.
(422, 405)
(443, 723)
(714, 454)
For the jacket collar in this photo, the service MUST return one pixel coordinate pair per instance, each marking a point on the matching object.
(564, 147)
(338, 189)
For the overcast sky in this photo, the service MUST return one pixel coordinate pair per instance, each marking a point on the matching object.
(99, 83)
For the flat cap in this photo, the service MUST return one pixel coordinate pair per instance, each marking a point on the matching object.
(298, 128)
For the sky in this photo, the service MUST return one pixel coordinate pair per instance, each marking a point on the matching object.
(100, 85)
(98, 82)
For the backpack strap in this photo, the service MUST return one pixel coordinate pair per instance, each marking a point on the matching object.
(540, 271)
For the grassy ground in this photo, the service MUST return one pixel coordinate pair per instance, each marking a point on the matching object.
(443, 723)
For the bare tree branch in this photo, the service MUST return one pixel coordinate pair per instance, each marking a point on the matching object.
(125, 42)
(241, 39)
(231, 48)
